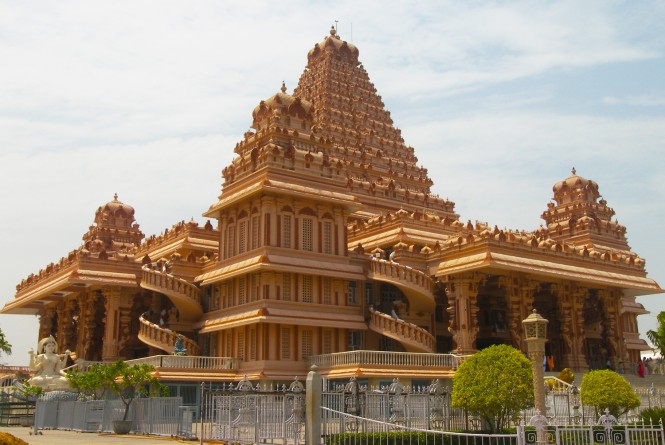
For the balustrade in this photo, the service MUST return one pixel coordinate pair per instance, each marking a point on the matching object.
(402, 330)
(165, 338)
(386, 358)
(401, 273)
(162, 280)
(188, 362)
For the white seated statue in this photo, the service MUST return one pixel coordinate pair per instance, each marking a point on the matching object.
(47, 365)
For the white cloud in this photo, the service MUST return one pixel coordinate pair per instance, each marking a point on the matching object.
(642, 100)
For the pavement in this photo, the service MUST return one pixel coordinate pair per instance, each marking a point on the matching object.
(57, 437)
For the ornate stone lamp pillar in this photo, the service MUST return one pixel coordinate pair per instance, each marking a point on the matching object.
(535, 332)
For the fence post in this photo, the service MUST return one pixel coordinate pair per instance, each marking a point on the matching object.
(313, 407)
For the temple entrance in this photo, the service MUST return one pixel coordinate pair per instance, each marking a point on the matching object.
(492, 315)
(545, 303)
(597, 348)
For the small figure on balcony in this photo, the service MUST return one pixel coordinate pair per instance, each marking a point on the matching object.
(179, 346)
(48, 366)
(398, 305)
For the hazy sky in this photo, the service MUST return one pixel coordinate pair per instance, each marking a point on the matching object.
(148, 98)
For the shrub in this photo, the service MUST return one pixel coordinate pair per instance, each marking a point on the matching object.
(653, 416)
(494, 383)
(606, 389)
(566, 375)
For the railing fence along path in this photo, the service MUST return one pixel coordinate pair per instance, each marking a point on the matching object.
(246, 414)
(243, 413)
(160, 416)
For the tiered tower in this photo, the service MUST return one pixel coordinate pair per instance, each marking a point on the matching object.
(380, 170)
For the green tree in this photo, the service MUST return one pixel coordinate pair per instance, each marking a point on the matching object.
(657, 337)
(494, 383)
(127, 382)
(5, 346)
(606, 389)
(92, 383)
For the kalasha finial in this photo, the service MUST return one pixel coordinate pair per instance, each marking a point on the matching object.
(115, 197)
(283, 87)
(333, 31)
(573, 171)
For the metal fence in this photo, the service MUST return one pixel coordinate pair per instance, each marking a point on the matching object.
(161, 416)
(337, 425)
(634, 434)
(245, 414)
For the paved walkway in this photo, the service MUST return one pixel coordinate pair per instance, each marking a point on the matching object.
(56, 437)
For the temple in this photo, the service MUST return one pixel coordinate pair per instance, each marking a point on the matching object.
(327, 246)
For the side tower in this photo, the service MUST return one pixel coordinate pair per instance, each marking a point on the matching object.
(90, 299)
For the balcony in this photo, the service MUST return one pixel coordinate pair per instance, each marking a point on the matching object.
(384, 364)
(416, 285)
(412, 337)
(164, 339)
(183, 294)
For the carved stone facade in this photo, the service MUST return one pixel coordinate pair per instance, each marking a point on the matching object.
(327, 238)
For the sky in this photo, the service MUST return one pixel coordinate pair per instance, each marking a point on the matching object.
(147, 99)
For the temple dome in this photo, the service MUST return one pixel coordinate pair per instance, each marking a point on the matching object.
(575, 188)
(285, 104)
(574, 182)
(334, 42)
(115, 212)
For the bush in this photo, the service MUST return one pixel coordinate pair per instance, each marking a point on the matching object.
(494, 383)
(566, 375)
(9, 439)
(653, 416)
(606, 389)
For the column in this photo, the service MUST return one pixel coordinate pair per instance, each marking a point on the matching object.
(112, 324)
(519, 298)
(463, 310)
(612, 335)
(46, 322)
(571, 308)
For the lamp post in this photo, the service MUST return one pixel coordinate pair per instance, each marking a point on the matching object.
(535, 332)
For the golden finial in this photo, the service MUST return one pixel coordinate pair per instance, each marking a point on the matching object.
(115, 197)
(283, 87)
(573, 171)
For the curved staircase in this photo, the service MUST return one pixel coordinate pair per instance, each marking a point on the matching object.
(416, 285)
(153, 335)
(414, 338)
(185, 296)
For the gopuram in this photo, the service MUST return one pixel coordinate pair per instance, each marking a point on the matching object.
(328, 247)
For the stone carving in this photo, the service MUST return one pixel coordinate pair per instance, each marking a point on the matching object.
(48, 366)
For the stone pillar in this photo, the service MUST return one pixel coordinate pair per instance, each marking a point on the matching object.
(463, 309)
(46, 321)
(571, 309)
(314, 387)
(535, 333)
(112, 324)
(61, 328)
(339, 233)
(223, 232)
(268, 221)
(87, 324)
(519, 299)
(69, 324)
(612, 334)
